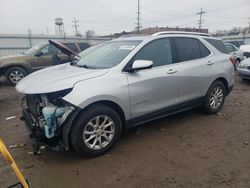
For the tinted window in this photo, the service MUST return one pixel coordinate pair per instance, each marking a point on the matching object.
(236, 43)
(83, 46)
(241, 43)
(218, 44)
(235, 48)
(187, 49)
(48, 50)
(158, 51)
(71, 46)
(229, 48)
(204, 52)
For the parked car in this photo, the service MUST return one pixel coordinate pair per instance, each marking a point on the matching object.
(236, 53)
(15, 67)
(122, 83)
(246, 50)
(243, 69)
(236, 43)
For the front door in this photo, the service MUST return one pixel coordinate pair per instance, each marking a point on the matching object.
(43, 58)
(154, 89)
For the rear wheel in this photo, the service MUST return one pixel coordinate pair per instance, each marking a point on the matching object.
(215, 97)
(14, 74)
(96, 131)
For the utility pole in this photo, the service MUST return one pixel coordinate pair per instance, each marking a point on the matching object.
(138, 23)
(47, 29)
(29, 37)
(200, 21)
(249, 26)
(76, 25)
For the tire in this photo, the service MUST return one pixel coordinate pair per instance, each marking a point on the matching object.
(215, 98)
(14, 74)
(84, 133)
(245, 80)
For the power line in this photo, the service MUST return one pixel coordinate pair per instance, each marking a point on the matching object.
(138, 24)
(76, 25)
(200, 21)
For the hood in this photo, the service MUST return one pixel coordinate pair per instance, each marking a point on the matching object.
(64, 49)
(56, 78)
(245, 48)
(245, 62)
(12, 58)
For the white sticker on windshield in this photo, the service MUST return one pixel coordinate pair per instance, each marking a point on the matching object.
(126, 47)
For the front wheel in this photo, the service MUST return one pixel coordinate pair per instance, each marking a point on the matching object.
(96, 130)
(215, 97)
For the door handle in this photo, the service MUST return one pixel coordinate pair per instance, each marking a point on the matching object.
(210, 63)
(172, 71)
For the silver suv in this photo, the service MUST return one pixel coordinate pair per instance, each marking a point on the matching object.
(86, 104)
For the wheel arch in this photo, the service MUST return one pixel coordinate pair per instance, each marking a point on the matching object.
(21, 65)
(67, 127)
(113, 105)
(224, 81)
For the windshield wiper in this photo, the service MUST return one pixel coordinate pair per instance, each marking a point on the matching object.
(83, 66)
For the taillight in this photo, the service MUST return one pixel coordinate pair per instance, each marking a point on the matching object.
(233, 60)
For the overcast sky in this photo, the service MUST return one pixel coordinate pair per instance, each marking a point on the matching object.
(111, 16)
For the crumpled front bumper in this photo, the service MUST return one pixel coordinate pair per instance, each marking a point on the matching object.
(36, 132)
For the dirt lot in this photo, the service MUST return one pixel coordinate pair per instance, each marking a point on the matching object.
(186, 150)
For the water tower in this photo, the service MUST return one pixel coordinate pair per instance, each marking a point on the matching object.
(59, 28)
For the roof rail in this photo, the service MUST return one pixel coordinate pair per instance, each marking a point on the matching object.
(133, 35)
(181, 33)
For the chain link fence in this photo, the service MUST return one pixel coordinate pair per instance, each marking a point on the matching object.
(15, 44)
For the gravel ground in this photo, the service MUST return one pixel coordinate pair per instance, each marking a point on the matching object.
(185, 150)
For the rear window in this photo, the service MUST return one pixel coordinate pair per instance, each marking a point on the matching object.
(189, 49)
(83, 46)
(230, 48)
(236, 43)
(71, 46)
(218, 44)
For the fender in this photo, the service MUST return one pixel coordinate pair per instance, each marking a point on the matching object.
(24, 65)
(66, 126)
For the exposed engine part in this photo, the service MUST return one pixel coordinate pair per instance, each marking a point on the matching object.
(52, 115)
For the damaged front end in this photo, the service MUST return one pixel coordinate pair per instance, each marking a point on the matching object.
(45, 115)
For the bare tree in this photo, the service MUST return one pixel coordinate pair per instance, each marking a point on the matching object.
(90, 34)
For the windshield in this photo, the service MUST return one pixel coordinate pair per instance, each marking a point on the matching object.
(33, 49)
(106, 55)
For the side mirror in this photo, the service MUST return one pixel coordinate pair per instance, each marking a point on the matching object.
(38, 54)
(141, 64)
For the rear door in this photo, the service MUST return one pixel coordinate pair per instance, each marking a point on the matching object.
(152, 90)
(194, 66)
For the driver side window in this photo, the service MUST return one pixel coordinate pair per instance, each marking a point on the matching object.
(47, 50)
(158, 51)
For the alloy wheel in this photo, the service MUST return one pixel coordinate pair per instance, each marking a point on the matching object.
(99, 132)
(15, 76)
(216, 97)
